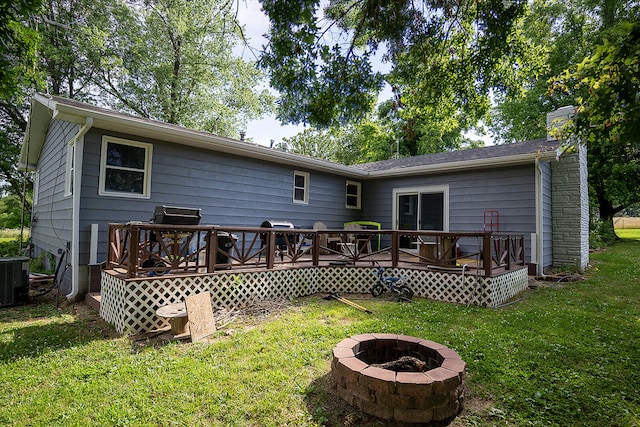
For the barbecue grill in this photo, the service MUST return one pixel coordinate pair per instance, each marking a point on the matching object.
(281, 243)
(176, 215)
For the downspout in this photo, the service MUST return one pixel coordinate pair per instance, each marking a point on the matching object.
(74, 259)
(539, 214)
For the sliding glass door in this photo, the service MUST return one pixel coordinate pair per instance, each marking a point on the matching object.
(421, 208)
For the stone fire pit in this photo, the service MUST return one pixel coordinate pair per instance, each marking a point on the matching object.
(434, 394)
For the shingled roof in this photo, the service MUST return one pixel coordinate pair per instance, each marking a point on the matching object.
(45, 107)
(521, 150)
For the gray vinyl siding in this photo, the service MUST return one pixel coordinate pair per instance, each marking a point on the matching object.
(510, 191)
(229, 190)
(51, 215)
(547, 226)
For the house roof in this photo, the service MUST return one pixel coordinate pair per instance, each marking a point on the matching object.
(504, 155)
(45, 108)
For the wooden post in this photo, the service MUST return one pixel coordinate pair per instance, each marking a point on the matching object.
(486, 254)
(134, 249)
(315, 248)
(395, 249)
(212, 250)
(271, 249)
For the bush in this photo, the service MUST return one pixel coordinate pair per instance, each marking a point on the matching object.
(601, 235)
(11, 248)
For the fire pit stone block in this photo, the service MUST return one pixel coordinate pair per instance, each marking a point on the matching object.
(409, 397)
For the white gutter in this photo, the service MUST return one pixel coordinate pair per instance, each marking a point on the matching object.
(74, 259)
(517, 159)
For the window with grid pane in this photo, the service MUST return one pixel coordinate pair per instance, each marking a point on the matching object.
(125, 168)
(300, 187)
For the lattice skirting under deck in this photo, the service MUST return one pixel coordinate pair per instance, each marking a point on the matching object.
(130, 305)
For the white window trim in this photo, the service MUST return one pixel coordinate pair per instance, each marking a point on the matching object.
(305, 189)
(68, 178)
(444, 189)
(358, 196)
(146, 190)
(36, 187)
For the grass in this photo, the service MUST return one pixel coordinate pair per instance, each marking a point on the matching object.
(628, 233)
(564, 354)
(9, 234)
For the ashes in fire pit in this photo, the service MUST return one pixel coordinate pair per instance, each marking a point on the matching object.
(399, 377)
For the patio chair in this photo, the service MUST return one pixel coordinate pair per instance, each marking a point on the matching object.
(327, 242)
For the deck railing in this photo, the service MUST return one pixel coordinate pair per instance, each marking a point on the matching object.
(138, 248)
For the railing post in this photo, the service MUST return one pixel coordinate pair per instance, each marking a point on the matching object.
(486, 254)
(508, 267)
(134, 232)
(395, 248)
(315, 248)
(110, 236)
(212, 251)
(271, 249)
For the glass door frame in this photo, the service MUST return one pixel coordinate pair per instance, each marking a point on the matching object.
(417, 191)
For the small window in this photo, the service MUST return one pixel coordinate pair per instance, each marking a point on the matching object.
(71, 155)
(300, 187)
(125, 168)
(352, 196)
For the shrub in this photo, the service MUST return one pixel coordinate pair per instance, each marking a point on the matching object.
(601, 235)
(11, 248)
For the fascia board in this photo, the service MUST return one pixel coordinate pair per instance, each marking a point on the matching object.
(466, 165)
(40, 117)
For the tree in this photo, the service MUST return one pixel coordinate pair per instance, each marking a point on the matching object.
(167, 60)
(172, 60)
(563, 33)
(608, 117)
(19, 41)
(17, 69)
(446, 57)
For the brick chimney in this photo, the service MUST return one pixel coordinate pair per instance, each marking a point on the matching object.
(556, 119)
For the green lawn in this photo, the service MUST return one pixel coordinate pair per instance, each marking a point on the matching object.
(564, 354)
(628, 233)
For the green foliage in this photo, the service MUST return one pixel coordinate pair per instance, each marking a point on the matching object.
(563, 354)
(166, 60)
(18, 47)
(11, 212)
(11, 248)
(589, 50)
(608, 116)
(445, 58)
(173, 61)
(561, 34)
(44, 263)
(601, 235)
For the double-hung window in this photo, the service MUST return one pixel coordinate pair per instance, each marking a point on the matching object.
(300, 187)
(125, 168)
(352, 196)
